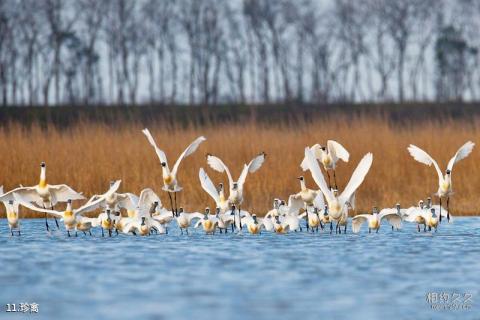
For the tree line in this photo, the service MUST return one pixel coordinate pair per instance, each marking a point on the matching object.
(57, 52)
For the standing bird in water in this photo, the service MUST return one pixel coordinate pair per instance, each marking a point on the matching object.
(444, 181)
(236, 187)
(170, 183)
(336, 202)
(329, 157)
(44, 195)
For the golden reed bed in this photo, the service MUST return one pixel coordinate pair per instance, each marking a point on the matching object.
(88, 155)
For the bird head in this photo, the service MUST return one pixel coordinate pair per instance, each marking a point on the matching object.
(180, 210)
(448, 172)
(164, 164)
(432, 210)
(43, 165)
(300, 178)
(235, 186)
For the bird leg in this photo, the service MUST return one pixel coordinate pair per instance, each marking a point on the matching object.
(56, 222)
(306, 216)
(84, 233)
(46, 221)
(76, 234)
(345, 229)
(90, 232)
(321, 225)
(369, 230)
(11, 232)
(20, 234)
(109, 232)
(418, 227)
(68, 232)
(448, 209)
(440, 214)
(425, 228)
(186, 230)
(239, 218)
(329, 184)
(331, 227)
(175, 198)
(335, 179)
(378, 229)
(171, 203)
(103, 235)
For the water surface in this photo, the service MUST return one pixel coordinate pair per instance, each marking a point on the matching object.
(293, 276)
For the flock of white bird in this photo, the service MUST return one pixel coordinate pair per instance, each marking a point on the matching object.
(310, 208)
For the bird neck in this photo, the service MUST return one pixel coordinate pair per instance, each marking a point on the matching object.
(43, 177)
(302, 185)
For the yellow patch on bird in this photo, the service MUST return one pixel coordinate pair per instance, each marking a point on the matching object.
(374, 224)
(131, 213)
(42, 184)
(419, 220)
(144, 230)
(327, 161)
(314, 222)
(433, 222)
(253, 229)
(279, 229)
(106, 224)
(168, 180)
(11, 215)
(68, 214)
(445, 186)
(207, 225)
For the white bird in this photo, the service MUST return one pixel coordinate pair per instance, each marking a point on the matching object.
(184, 219)
(11, 211)
(208, 222)
(70, 216)
(336, 203)
(117, 200)
(329, 157)
(44, 195)
(280, 226)
(170, 183)
(253, 224)
(236, 187)
(374, 220)
(224, 220)
(217, 195)
(415, 214)
(444, 181)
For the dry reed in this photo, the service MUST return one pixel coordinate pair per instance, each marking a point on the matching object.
(87, 156)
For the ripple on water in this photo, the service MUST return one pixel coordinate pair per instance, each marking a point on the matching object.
(298, 275)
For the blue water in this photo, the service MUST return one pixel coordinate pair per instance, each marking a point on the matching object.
(293, 276)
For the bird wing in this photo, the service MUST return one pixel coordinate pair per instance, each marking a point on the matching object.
(319, 201)
(29, 194)
(208, 186)
(295, 204)
(63, 193)
(357, 222)
(316, 148)
(462, 153)
(98, 202)
(357, 177)
(216, 164)
(253, 166)
(128, 201)
(194, 215)
(392, 217)
(423, 157)
(413, 213)
(188, 151)
(24, 202)
(147, 197)
(352, 200)
(161, 155)
(337, 151)
(317, 174)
